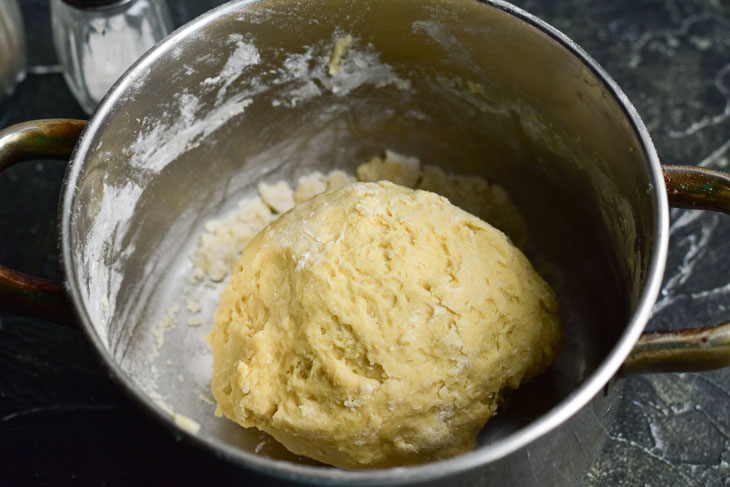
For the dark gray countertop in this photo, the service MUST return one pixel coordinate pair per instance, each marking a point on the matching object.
(62, 420)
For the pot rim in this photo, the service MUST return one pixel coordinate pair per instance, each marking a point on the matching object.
(399, 475)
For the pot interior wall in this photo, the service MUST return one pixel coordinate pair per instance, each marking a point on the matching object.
(246, 97)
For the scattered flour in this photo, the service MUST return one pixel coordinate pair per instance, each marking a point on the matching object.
(243, 56)
(167, 322)
(159, 400)
(339, 66)
(206, 398)
(222, 241)
(260, 446)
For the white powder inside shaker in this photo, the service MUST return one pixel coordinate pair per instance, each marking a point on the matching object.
(112, 46)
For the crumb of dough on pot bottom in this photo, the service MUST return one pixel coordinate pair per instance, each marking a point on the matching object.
(376, 326)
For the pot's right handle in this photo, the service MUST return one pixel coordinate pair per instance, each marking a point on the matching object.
(690, 349)
(21, 293)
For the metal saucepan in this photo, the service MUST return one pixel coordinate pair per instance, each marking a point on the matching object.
(243, 94)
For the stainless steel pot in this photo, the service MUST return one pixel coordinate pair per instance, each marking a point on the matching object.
(245, 94)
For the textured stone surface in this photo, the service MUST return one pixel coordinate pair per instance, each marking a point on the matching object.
(672, 59)
(61, 418)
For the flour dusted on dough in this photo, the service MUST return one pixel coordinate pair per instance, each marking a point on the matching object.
(376, 326)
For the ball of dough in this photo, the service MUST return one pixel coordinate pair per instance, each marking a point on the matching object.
(375, 326)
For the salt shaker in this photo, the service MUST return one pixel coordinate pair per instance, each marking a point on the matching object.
(12, 47)
(97, 40)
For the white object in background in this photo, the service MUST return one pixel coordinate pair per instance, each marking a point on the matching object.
(97, 40)
(12, 47)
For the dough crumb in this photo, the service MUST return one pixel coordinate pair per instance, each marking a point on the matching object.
(186, 423)
(337, 179)
(196, 276)
(167, 322)
(279, 196)
(315, 183)
(342, 45)
(194, 321)
(310, 186)
(223, 240)
(475, 88)
(205, 398)
(394, 167)
(193, 306)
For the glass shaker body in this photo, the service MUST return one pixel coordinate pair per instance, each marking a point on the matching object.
(95, 46)
(12, 47)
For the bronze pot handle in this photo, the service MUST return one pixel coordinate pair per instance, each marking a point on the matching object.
(691, 349)
(21, 293)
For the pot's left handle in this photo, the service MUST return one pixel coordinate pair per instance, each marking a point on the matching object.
(21, 293)
(691, 349)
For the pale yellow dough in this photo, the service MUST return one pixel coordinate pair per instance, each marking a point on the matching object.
(375, 326)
